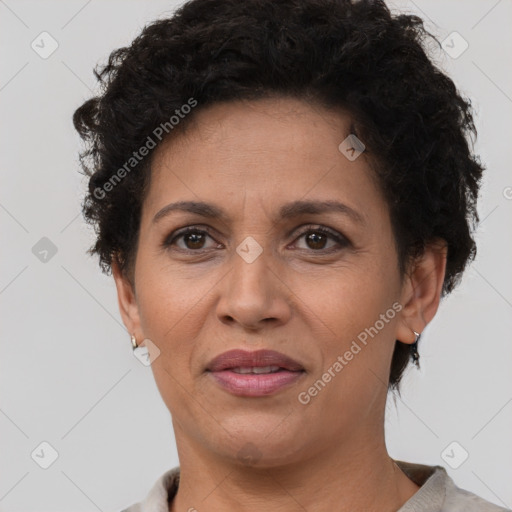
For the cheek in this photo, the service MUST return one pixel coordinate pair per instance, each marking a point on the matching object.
(348, 299)
(355, 318)
(167, 297)
(166, 309)
(168, 314)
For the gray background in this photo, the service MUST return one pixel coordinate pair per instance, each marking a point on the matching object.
(68, 376)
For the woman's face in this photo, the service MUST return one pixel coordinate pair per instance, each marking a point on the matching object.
(254, 279)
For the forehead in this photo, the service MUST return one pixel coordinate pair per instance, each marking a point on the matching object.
(267, 153)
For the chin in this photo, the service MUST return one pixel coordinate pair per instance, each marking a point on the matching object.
(257, 443)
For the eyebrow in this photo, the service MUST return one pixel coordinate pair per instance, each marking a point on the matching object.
(287, 211)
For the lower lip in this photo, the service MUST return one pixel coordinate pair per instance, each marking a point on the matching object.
(252, 384)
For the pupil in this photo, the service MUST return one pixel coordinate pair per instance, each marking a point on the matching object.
(314, 238)
(196, 239)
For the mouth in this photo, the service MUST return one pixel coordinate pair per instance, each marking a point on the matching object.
(256, 369)
(253, 374)
(262, 361)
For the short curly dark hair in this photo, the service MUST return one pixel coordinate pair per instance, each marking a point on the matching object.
(338, 53)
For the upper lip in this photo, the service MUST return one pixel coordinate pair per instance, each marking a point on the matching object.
(259, 358)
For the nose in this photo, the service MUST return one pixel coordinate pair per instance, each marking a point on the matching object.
(253, 295)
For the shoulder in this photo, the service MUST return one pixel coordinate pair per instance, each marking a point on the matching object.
(459, 500)
(438, 492)
(163, 490)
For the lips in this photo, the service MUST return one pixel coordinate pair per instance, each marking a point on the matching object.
(254, 374)
(242, 359)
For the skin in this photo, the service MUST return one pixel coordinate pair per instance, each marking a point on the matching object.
(250, 158)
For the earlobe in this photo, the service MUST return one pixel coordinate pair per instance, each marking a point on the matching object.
(126, 299)
(422, 291)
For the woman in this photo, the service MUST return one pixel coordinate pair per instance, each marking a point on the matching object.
(283, 191)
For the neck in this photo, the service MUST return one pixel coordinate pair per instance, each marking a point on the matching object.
(352, 475)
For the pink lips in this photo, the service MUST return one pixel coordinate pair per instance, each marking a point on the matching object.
(280, 371)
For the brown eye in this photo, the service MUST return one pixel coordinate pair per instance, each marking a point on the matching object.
(316, 239)
(196, 240)
(193, 239)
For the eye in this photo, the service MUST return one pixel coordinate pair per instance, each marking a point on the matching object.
(193, 239)
(316, 238)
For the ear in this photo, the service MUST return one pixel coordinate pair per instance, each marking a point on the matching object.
(421, 291)
(127, 301)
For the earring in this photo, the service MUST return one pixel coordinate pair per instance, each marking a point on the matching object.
(414, 350)
(134, 342)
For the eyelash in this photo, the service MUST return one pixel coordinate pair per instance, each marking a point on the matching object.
(340, 239)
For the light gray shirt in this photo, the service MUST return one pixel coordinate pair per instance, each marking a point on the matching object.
(437, 493)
